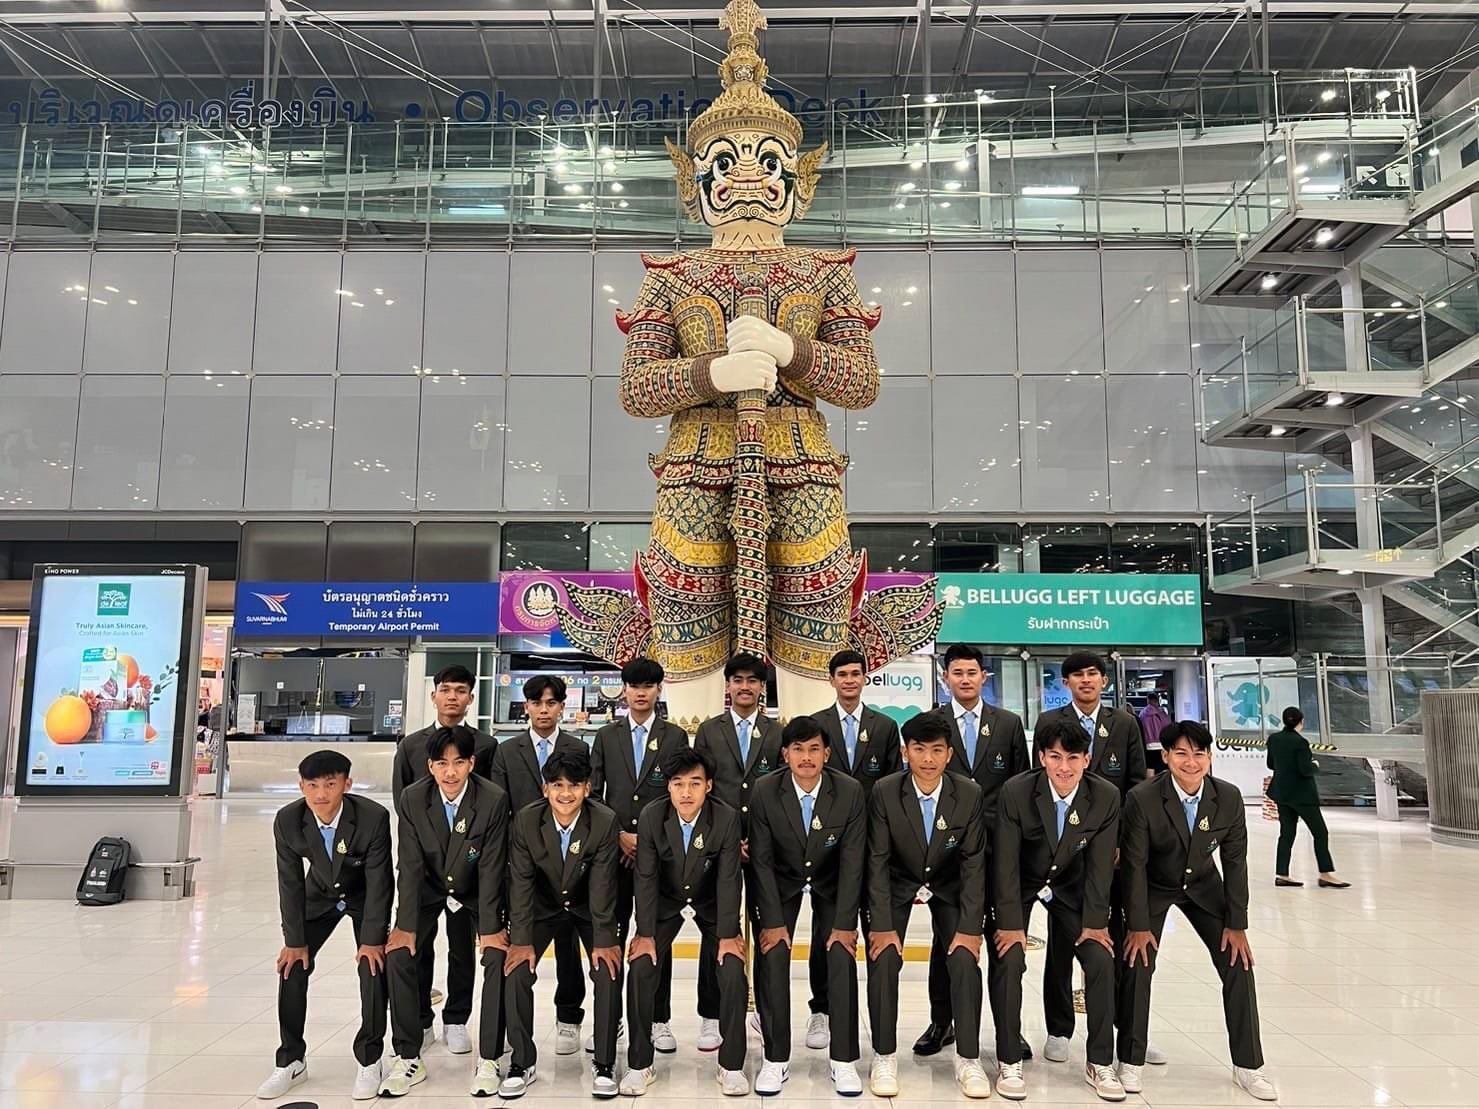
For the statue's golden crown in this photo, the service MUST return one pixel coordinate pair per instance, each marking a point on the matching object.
(744, 105)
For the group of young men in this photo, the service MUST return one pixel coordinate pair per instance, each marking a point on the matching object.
(609, 847)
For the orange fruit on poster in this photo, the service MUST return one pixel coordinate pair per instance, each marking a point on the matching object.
(68, 719)
(130, 670)
(150, 734)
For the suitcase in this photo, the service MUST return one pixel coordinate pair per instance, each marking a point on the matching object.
(107, 869)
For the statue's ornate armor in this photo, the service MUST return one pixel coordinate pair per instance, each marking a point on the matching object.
(675, 330)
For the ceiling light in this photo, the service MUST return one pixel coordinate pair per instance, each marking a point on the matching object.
(1440, 304)
(282, 188)
(1269, 280)
(1276, 431)
(1323, 157)
(983, 97)
(916, 165)
(1345, 573)
(1334, 400)
(1050, 190)
(1383, 94)
(608, 167)
(963, 164)
(907, 187)
(1324, 235)
(898, 205)
(605, 152)
(238, 190)
(622, 204)
(944, 204)
(1300, 167)
(572, 188)
(616, 187)
(1327, 95)
(931, 98)
(302, 209)
(952, 186)
(561, 167)
(1279, 160)
(256, 208)
(1396, 304)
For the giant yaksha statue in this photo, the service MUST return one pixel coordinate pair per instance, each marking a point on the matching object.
(735, 344)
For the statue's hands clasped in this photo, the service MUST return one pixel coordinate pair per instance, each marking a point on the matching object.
(736, 372)
(752, 333)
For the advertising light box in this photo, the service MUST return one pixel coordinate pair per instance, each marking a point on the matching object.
(110, 680)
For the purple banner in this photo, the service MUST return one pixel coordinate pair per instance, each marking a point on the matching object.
(529, 599)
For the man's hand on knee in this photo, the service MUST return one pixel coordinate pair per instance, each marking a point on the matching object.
(969, 944)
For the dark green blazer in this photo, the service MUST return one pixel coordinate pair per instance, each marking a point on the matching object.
(1294, 770)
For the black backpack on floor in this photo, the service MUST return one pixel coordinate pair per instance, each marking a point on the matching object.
(107, 869)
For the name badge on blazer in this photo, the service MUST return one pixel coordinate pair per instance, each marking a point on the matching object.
(830, 841)
(763, 766)
(874, 766)
(472, 854)
(1081, 844)
(1000, 762)
(952, 843)
(1211, 846)
(1112, 764)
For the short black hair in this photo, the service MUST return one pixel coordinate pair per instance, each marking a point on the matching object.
(1067, 735)
(964, 652)
(535, 687)
(848, 657)
(456, 673)
(1189, 730)
(745, 663)
(801, 728)
(459, 736)
(926, 727)
(642, 671)
(1293, 718)
(1084, 660)
(686, 760)
(323, 764)
(572, 765)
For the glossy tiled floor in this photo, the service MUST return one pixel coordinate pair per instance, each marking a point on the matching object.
(1368, 996)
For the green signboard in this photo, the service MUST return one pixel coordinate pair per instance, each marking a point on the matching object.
(1130, 610)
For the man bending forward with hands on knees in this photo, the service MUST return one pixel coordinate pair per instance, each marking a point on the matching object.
(1174, 828)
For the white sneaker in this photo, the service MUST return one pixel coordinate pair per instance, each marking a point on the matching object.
(621, 1031)
(428, 1037)
(1256, 1083)
(971, 1078)
(1155, 1057)
(846, 1081)
(517, 1081)
(818, 1031)
(567, 1039)
(401, 1075)
(486, 1079)
(1130, 1078)
(883, 1078)
(635, 1082)
(1010, 1083)
(282, 1079)
(663, 1040)
(456, 1038)
(733, 1083)
(1105, 1082)
(367, 1083)
(603, 1081)
(771, 1078)
(1055, 1049)
(708, 1035)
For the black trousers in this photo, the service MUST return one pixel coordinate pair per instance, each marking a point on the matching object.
(1239, 999)
(461, 968)
(1057, 975)
(570, 971)
(841, 992)
(404, 973)
(939, 974)
(1004, 978)
(642, 979)
(708, 960)
(965, 982)
(662, 1009)
(292, 997)
(518, 996)
(1289, 818)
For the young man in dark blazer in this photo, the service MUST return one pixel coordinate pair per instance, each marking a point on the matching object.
(1295, 792)
(345, 842)
(1173, 829)
(743, 745)
(808, 831)
(988, 745)
(562, 864)
(518, 765)
(1057, 830)
(628, 759)
(864, 745)
(926, 841)
(452, 694)
(1117, 754)
(688, 866)
(451, 855)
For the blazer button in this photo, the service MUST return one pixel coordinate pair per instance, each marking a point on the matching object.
(449, 879)
(687, 888)
(336, 885)
(635, 797)
(744, 785)
(744, 808)
(563, 892)
(808, 862)
(1188, 870)
(1053, 867)
(926, 869)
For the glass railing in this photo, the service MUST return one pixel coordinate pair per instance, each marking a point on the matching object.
(969, 166)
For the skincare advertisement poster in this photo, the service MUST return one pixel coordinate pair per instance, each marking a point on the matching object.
(109, 664)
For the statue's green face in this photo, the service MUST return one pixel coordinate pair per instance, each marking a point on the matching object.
(746, 176)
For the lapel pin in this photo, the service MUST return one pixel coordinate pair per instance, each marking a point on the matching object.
(652, 745)
(698, 841)
(575, 848)
(940, 824)
(1103, 732)
(816, 824)
(461, 826)
(1203, 825)
(342, 848)
(986, 730)
(1073, 818)
(863, 736)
